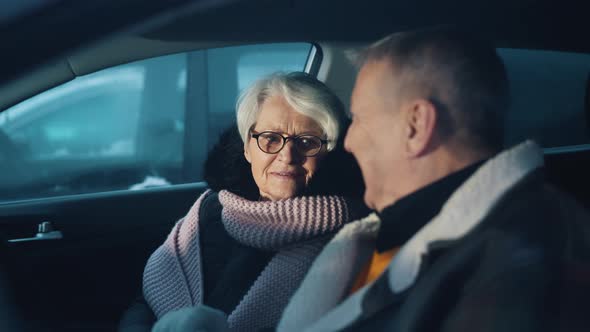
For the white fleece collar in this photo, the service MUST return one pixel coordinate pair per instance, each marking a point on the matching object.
(329, 279)
(466, 208)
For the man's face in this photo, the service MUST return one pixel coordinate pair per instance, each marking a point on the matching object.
(376, 135)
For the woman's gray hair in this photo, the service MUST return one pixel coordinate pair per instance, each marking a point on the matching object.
(306, 94)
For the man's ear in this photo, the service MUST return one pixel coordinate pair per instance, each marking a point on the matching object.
(247, 153)
(420, 125)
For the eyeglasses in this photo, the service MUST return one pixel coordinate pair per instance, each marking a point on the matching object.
(272, 143)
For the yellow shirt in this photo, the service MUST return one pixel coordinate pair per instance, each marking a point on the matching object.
(373, 269)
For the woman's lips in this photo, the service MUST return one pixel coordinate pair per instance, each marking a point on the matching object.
(286, 175)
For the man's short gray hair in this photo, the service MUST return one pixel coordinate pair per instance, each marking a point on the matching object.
(306, 94)
(458, 72)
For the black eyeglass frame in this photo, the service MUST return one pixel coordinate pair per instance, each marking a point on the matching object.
(255, 135)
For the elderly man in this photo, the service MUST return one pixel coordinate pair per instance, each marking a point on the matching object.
(467, 236)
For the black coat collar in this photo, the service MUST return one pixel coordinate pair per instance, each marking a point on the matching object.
(401, 220)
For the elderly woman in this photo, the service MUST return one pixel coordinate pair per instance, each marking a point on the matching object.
(277, 197)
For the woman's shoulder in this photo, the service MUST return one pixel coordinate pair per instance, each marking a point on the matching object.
(210, 207)
(212, 232)
(204, 214)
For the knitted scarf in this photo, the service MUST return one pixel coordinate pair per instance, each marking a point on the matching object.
(296, 228)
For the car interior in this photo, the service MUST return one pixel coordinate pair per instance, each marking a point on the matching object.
(107, 111)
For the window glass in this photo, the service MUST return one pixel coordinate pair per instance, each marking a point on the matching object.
(72, 120)
(143, 124)
(548, 90)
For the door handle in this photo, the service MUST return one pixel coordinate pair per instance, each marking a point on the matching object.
(45, 231)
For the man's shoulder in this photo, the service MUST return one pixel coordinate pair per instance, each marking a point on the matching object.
(537, 217)
(536, 245)
(535, 201)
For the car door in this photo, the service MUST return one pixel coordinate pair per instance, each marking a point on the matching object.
(97, 170)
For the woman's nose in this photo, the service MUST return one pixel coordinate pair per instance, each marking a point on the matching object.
(289, 153)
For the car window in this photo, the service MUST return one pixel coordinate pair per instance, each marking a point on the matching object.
(138, 125)
(548, 91)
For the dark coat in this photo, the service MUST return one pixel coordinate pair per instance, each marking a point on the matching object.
(507, 252)
(223, 257)
(526, 267)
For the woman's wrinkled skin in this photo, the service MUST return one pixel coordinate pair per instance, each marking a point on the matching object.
(287, 173)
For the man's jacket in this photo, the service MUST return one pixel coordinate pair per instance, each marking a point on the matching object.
(507, 252)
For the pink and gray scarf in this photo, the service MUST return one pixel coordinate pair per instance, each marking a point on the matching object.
(296, 228)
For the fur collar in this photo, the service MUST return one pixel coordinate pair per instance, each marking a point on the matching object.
(330, 277)
(466, 208)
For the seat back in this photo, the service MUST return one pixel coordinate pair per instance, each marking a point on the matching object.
(570, 171)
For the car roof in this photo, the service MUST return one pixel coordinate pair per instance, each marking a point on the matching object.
(545, 24)
(63, 26)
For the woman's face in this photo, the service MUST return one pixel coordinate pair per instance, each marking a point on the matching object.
(287, 173)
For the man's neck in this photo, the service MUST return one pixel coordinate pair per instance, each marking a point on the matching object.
(426, 171)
